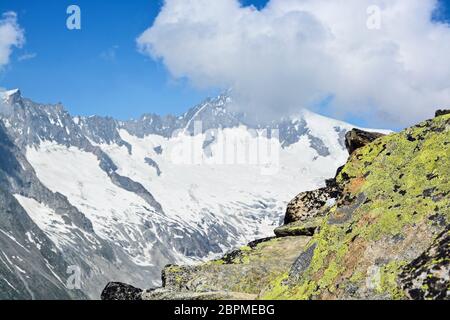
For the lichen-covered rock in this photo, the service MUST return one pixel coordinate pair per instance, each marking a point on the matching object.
(299, 228)
(310, 204)
(428, 276)
(121, 291)
(240, 274)
(357, 138)
(395, 203)
(167, 294)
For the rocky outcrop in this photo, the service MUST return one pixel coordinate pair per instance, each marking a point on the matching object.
(356, 139)
(241, 274)
(166, 294)
(428, 276)
(121, 291)
(379, 230)
(310, 204)
(116, 291)
(299, 228)
(442, 112)
(385, 238)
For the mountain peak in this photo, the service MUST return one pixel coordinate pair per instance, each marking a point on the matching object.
(11, 96)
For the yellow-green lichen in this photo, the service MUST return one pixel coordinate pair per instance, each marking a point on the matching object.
(388, 280)
(404, 179)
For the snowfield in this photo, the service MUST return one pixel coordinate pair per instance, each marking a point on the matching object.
(218, 192)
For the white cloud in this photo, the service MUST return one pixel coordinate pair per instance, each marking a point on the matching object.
(11, 35)
(110, 54)
(27, 56)
(295, 53)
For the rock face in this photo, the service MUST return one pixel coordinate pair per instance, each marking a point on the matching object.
(442, 112)
(310, 204)
(386, 235)
(428, 276)
(299, 228)
(121, 291)
(241, 274)
(385, 238)
(356, 139)
(31, 266)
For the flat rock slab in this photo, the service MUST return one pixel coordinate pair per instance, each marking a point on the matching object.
(246, 271)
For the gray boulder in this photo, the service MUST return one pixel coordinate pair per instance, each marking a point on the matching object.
(310, 204)
(356, 139)
(121, 291)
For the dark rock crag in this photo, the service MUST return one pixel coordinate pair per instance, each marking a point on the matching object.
(121, 291)
(357, 138)
(310, 203)
(442, 112)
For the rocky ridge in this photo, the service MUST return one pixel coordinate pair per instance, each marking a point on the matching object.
(379, 230)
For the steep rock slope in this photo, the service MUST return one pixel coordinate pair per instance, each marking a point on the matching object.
(383, 233)
(22, 241)
(393, 206)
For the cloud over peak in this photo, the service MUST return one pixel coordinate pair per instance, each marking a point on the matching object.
(11, 35)
(298, 53)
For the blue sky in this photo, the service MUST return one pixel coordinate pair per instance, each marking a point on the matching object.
(98, 70)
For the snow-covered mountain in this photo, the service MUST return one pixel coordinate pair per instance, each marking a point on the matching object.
(118, 200)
